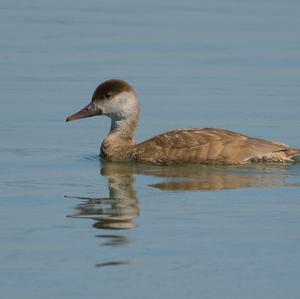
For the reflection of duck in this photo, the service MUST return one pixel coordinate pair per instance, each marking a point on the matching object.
(116, 211)
(204, 178)
(118, 100)
(122, 206)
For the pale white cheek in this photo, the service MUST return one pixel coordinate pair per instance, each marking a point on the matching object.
(123, 104)
(107, 107)
(112, 106)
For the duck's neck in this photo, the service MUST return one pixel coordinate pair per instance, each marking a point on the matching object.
(120, 140)
(123, 128)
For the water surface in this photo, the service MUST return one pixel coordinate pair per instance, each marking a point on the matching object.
(73, 226)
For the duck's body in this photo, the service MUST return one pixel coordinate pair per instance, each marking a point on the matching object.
(117, 100)
(201, 146)
(209, 146)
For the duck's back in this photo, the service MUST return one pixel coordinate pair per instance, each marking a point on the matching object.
(208, 146)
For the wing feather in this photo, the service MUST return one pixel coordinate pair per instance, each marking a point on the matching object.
(207, 145)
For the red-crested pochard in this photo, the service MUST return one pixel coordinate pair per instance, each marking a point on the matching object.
(119, 101)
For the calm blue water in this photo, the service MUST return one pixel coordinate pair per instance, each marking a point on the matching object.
(72, 226)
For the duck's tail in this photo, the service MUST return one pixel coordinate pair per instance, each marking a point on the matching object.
(293, 153)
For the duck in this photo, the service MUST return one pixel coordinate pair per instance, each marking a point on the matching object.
(118, 100)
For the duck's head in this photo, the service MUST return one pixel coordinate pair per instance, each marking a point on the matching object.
(113, 98)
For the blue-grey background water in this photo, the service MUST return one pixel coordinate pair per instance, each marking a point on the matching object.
(147, 232)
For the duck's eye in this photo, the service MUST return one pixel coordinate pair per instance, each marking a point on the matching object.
(108, 94)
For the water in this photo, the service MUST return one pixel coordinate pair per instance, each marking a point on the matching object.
(72, 226)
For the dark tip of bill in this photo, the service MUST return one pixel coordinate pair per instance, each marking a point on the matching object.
(67, 119)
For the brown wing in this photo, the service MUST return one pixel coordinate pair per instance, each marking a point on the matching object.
(210, 146)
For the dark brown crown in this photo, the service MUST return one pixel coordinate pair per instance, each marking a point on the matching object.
(110, 88)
